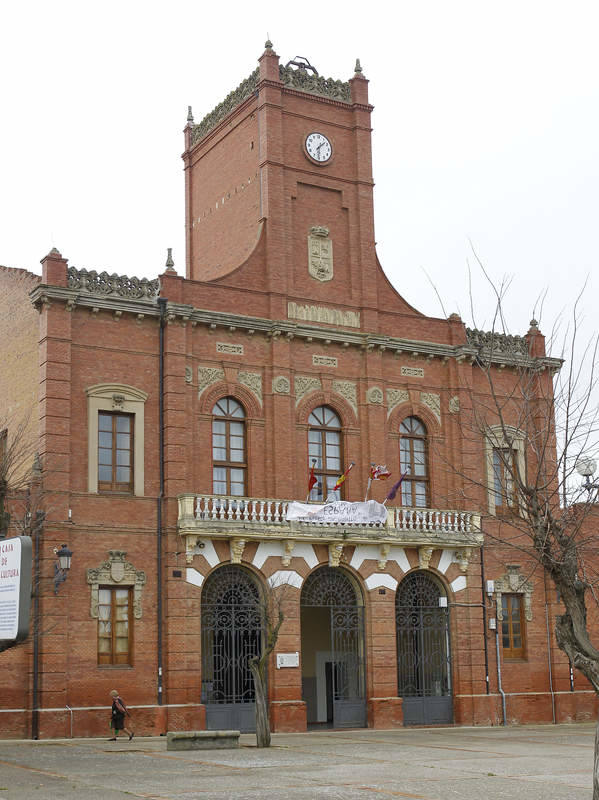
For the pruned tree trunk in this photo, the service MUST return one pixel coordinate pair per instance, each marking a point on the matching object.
(596, 766)
(258, 671)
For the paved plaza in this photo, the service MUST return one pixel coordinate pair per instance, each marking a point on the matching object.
(543, 762)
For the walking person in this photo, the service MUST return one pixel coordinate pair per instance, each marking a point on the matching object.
(118, 714)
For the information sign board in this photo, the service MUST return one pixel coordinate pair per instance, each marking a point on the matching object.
(15, 587)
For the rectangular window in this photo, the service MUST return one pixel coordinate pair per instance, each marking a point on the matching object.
(114, 626)
(504, 488)
(512, 627)
(115, 452)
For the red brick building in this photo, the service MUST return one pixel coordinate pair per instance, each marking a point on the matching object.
(179, 417)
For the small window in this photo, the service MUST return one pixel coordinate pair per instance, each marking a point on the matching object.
(115, 452)
(504, 488)
(513, 626)
(114, 626)
(413, 457)
(229, 465)
(324, 447)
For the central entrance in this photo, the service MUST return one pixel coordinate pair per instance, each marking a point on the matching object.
(231, 635)
(332, 624)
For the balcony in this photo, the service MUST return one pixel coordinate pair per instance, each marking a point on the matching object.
(262, 519)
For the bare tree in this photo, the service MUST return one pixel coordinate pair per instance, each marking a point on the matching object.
(536, 419)
(273, 616)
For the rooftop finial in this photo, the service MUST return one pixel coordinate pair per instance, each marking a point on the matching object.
(268, 43)
(358, 67)
(189, 115)
(534, 323)
(170, 264)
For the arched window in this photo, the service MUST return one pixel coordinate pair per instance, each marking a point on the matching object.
(229, 465)
(413, 459)
(324, 445)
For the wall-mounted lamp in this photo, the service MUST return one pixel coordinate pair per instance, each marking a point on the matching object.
(62, 566)
(586, 467)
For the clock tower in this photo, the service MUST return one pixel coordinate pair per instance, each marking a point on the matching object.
(279, 191)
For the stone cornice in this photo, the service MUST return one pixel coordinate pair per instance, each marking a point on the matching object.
(281, 330)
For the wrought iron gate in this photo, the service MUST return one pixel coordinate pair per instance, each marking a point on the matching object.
(231, 635)
(329, 588)
(423, 651)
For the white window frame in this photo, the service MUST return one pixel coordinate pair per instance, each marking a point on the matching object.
(503, 437)
(121, 398)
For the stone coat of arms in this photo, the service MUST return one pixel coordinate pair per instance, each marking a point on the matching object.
(320, 254)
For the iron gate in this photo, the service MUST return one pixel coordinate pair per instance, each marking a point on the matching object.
(329, 588)
(231, 634)
(423, 651)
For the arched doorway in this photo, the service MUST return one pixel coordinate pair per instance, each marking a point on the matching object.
(423, 651)
(232, 633)
(333, 663)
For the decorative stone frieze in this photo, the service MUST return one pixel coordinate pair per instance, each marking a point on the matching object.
(231, 101)
(320, 254)
(513, 582)
(304, 81)
(424, 557)
(106, 285)
(330, 316)
(324, 361)
(304, 384)
(281, 385)
(432, 401)
(495, 343)
(230, 348)
(347, 390)
(207, 376)
(412, 372)
(374, 395)
(117, 571)
(253, 381)
(396, 397)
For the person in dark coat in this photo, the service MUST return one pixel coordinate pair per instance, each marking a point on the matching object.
(118, 714)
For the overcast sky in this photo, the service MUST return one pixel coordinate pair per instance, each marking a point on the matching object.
(486, 130)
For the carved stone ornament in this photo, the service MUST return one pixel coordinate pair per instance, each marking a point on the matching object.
(320, 254)
(253, 381)
(304, 81)
(118, 401)
(396, 397)
(432, 401)
(454, 405)
(188, 374)
(237, 548)
(463, 558)
(497, 343)
(116, 572)
(375, 395)
(385, 549)
(335, 553)
(304, 384)
(513, 582)
(424, 557)
(288, 546)
(281, 385)
(348, 391)
(330, 316)
(207, 376)
(106, 285)
(231, 101)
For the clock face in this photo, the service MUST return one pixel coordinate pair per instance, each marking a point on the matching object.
(318, 147)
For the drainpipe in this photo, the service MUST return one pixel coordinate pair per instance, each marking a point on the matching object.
(483, 585)
(499, 687)
(549, 651)
(35, 720)
(162, 301)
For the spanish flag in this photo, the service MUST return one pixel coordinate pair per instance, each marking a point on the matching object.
(312, 479)
(342, 478)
